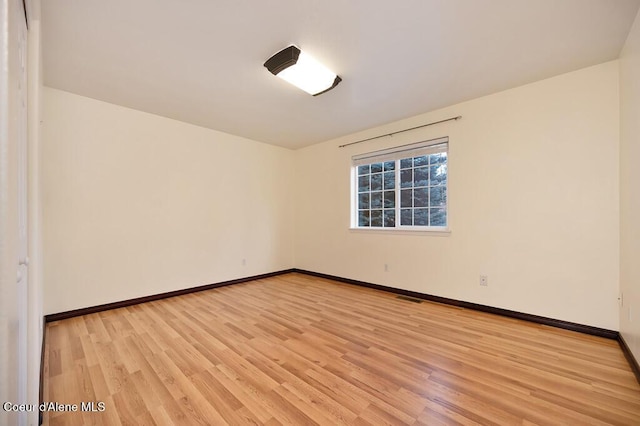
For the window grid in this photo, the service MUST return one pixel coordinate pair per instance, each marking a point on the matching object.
(422, 190)
(376, 195)
(403, 193)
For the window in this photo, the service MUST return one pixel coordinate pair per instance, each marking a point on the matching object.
(402, 188)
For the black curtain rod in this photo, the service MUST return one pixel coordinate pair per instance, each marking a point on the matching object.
(401, 131)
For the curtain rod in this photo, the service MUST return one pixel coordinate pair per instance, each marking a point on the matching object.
(400, 131)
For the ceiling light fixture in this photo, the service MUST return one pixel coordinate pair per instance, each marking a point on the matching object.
(302, 70)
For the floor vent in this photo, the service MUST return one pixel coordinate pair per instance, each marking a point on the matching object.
(409, 299)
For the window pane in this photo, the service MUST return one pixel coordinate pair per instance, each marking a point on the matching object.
(363, 201)
(421, 176)
(390, 180)
(405, 198)
(439, 158)
(376, 200)
(376, 182)
(376, 217)
(406, 217)
(363, 183)
(389, 199)
(363, 218)
(438, 174)
(438, 217)
(421, 217)
(406, 163)
(406, 178)
(438, 196)
(420, 161)
(421, 197)
(389, 218)
(422, 182)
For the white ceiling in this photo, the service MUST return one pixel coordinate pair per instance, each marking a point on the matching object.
(200, 61)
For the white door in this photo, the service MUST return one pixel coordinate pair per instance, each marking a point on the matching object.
(13, 209)
(23, 247)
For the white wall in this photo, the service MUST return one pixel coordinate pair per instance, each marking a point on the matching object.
(136, 204)
(533, 198)
(630, 188)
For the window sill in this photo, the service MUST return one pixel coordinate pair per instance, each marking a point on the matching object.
(443, 232)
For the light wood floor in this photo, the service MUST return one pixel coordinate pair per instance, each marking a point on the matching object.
(300, 350)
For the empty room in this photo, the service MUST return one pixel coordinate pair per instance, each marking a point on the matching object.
(419, 212)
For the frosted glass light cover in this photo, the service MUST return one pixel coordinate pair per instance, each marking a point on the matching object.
(309, 75)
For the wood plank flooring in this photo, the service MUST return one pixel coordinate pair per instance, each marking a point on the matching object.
(300, 350)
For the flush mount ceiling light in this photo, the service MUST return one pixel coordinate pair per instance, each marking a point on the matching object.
(302, 70)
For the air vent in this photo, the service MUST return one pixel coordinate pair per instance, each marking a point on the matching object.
(409, 299)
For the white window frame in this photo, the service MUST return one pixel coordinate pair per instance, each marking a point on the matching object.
(395, 154)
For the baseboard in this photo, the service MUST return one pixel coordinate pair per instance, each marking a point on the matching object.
(633, 362)
(587, 329)
(129, 302)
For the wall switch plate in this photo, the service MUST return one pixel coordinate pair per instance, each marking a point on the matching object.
(484, 280)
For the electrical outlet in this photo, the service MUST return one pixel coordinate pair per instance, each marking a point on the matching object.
(244, 262)
(484, 280)
(386, 267)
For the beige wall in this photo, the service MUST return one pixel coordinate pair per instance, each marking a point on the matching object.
(533, 198)
(137, 204)
(630, 188)
(134, 204)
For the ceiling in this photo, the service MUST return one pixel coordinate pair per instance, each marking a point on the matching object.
(200, 61)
